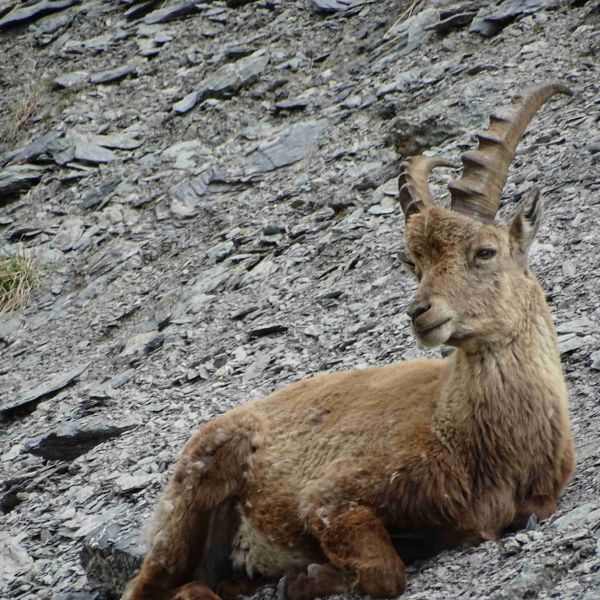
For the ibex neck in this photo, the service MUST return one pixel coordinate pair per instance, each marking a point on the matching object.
(502, 398)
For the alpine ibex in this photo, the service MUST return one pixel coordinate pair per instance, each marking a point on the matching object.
(331, 484)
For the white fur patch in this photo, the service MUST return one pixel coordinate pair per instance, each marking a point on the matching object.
(254, 553)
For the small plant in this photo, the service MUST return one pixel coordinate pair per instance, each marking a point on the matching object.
(17, 278)
(24, 111)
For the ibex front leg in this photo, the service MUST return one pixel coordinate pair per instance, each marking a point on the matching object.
(363, 559)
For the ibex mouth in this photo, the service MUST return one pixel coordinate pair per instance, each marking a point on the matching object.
(422, 331)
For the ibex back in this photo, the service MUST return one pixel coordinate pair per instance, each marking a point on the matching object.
(331, 484)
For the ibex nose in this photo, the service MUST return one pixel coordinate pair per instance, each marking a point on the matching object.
(415, 310)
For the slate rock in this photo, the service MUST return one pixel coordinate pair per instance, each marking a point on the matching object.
(419, 28)
(111, 557)
(139, 9)
(74, 79)
(187, 194)
(333, 6)
(113, 75)
(578, 517)
(220, 251)
(295, 104)
(51, 25)
(493, 18)
(121, 379)
(289, 146)
(13, 559)
(74, 439)
(37, 151)
(79, 595)
(99, 196)
(75, 147)
(31, 11)
(133, 483)
(581, 326)
(456, 15)
(238, 3)
(268, 329)
(16, 179)
(173, 10)
(87, 152)
(27, 400)
(186, 154)
(70, 231)
(142, 343)
(122, 140)
(257, 367)
(570, 342)
(595, 356)
(227, 80)
(409, 34)
(413, 136)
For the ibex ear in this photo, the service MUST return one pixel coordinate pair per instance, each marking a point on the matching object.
(525, 224)
(409, 201)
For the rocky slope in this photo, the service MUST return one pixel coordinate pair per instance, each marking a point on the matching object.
(208, 190)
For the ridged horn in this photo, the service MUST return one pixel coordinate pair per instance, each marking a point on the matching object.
(478, 191)
(413, 180)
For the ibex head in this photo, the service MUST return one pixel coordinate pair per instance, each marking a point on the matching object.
(474, 282)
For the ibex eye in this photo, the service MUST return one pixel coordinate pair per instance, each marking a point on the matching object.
(485, 253)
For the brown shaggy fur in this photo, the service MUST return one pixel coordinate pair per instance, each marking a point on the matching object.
(332, 483)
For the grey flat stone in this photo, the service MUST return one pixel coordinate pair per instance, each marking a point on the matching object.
(52, 25)
(70, 231)
(29, 398)
(140, 8)
(121, 379)
(227, 80)
(492, 18)
(333, 6)
(13, 559)
(18, 178)
(113, 75)
(40, 150)
(174, 10)
(87, 152)
(142, 343)
(99, 196)
(290, 146)
(72, 440)
(583, 325)
(187, 154)
(577, 517)
(120, 140)
(132, 483)
(71, 80)
(570, 342)
(24, 13)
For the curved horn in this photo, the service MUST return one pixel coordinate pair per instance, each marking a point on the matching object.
(415, 172)
(477, 193)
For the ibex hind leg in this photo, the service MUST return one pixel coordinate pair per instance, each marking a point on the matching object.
(196, 519)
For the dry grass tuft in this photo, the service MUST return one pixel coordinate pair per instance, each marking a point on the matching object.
(415, 7)
(23, 112)
(17, 278)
